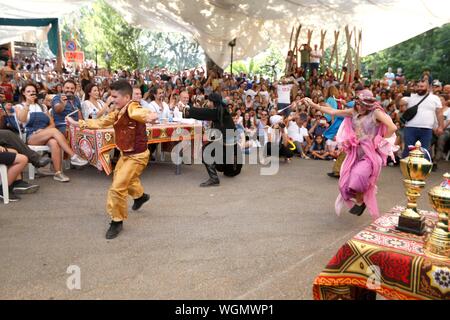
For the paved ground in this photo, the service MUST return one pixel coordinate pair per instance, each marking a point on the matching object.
(254, 237)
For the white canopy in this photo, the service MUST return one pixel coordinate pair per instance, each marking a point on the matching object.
(256, 23)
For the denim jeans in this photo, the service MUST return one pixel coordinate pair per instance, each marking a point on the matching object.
(412, 134)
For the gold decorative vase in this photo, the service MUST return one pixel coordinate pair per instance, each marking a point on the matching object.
(415, 169)
(437, 244)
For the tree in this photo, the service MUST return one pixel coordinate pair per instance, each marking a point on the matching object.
(429, 50)
(100, 28)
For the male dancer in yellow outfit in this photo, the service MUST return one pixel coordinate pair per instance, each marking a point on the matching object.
(128, 120)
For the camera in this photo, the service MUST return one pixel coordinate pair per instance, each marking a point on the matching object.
(70, 97)
(282, 125)
(41, 96)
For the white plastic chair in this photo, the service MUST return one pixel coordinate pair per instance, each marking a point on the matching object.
(4, 179)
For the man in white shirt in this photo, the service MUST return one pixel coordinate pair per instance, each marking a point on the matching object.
(159, 105)
(137, 96)
(389, 76)
(284, 94)
(421, 126)
(184, 102)
(315, 57)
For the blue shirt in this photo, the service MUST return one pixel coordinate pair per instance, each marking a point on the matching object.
(332, 102)
(71, 106)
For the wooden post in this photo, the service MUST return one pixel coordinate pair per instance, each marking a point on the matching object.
(290, 41)
(348, 55)
(334, 51)
(310, 32)
(59, 56)
(295, 55)
(322, 45)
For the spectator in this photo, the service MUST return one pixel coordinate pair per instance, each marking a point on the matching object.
(65, 104)
(93, 107)
(316, 55)
(16, 163)
(318, 149)
(389, 76)
(158, 105)
(421, 126)
(40, 130)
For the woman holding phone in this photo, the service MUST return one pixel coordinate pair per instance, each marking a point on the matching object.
(40, 130)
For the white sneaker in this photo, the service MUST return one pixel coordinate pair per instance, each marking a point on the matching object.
(61, 177)
(76, 160)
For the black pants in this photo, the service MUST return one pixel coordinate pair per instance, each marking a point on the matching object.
(283, 151)
(10, 139)
(210, 167)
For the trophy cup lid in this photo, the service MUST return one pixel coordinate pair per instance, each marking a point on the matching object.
(442, 190)
(417, 152)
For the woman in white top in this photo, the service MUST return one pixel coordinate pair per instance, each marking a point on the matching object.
(40, 130)
(93, 107)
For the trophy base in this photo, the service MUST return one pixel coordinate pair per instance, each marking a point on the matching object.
(411, 225)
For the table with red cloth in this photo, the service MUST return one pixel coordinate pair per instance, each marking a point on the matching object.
(382, 260)
(95, 144)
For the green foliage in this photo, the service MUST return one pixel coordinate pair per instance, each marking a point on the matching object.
(429, 50)
(99, 28)
(261, 64)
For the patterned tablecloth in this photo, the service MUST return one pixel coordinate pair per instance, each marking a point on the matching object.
(95, 144)
(383, 260)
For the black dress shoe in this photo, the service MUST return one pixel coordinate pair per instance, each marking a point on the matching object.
(210, 183)
(333, 175)
(43, 161)
(140, 201)
(358, 209)
(114, 229)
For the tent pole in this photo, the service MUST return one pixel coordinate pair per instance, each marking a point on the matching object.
(60, 54)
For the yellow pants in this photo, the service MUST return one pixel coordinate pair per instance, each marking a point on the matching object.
(126, 182)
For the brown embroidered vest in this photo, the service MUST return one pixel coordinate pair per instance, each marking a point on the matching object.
(131, 135)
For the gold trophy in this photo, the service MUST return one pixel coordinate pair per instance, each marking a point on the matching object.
(415, 170)
(437, 244)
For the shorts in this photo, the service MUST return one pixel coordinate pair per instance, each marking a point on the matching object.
(7, 158)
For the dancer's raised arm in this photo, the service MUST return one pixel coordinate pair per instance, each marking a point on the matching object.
(327, 110)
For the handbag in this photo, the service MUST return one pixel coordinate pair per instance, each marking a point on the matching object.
(410, 113)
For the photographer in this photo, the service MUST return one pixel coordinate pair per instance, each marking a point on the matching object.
(277, 136)
(63, 104)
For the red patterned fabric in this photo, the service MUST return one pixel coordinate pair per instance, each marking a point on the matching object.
(95, 145)
(384, 260)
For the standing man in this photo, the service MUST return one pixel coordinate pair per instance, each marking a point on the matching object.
(63, 104)
(421, 126)
(316, 55)
(389, 76)
(128, 120)
(305, 51)
(284, 94)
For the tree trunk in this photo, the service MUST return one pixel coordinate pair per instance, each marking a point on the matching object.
(211, 65)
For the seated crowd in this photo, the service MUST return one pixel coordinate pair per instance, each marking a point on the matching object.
(266, 114)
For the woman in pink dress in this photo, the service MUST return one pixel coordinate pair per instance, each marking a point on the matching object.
(367, 135)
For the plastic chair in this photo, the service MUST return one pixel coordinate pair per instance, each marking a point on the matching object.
(4, 179)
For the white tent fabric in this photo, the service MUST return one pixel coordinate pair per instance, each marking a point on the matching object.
(256, 23)
(29, 9)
